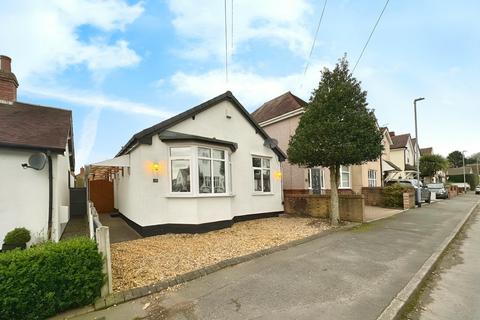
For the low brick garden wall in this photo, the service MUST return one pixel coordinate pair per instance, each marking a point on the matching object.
(351, 206)
(373, 196)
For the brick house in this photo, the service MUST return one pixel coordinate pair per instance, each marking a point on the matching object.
(279, 117)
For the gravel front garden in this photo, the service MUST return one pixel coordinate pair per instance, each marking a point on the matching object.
(145, 261)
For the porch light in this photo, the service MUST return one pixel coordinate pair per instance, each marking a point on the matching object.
(277, 175)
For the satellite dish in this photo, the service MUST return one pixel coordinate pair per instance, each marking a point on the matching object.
(37, 161)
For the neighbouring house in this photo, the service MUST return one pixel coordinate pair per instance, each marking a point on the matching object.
(426, 151)
(388, 167)
(37, 199)
(403, 153)
(201, 170)
(279, 117)
(439, 176)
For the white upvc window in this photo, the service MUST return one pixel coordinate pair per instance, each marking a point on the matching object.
(345, 177)
(211, 170)
(199, 171)
(180, 169)
(372, 178)
(261, 174)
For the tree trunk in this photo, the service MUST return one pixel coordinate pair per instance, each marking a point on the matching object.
(334, 179)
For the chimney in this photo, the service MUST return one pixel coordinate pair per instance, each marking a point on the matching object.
(392, 133)
(8, 81)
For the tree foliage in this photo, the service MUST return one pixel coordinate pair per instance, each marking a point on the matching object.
(430, 164)
(473, 158)
(455, 159)
(336, 129)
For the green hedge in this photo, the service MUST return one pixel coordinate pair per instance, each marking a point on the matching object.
(471, 179)
(49, 278)
(393, 195)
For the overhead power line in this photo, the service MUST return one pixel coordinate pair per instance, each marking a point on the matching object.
(315, 38)
(370, 36)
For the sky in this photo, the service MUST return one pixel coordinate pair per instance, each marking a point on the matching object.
(122, 66)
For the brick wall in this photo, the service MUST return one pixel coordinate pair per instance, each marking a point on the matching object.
(373, 196)
(351, 206)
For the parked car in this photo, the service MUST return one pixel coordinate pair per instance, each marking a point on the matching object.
(477, 190)
(438, 189)
(425, 193)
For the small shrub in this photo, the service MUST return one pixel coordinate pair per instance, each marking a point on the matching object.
(49, 278)
(393, 195)
(17, 236)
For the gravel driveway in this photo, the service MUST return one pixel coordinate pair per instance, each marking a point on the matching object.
(144, 261)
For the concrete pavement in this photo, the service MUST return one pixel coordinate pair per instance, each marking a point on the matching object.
(347, 275)
(453, 289)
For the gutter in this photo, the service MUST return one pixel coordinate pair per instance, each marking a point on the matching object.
(50, 194)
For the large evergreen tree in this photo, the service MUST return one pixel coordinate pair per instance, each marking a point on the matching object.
(432, 163)
(455, 159)
(336, 129)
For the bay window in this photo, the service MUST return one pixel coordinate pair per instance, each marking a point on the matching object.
(261, 174)
(198, 170)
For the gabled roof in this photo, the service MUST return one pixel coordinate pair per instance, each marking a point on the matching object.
(278, 106)
(28, 126)
(400, 141)
(145, 136)
(459, 171)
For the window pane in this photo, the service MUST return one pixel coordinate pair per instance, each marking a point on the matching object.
(345, 180)
(204, 152)
(219, 176)
(257, 179)
(180, 152)
(218, 154)
(204, 176)
(257, 162)
(180, 176)
(266, 180)
(266, 163)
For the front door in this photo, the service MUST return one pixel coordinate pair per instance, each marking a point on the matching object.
(316, 180)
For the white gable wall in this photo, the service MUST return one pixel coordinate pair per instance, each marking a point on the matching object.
(148, 203)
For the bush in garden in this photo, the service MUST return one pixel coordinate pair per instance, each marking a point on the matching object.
(17, 236)
(393, 195)
(49, 278)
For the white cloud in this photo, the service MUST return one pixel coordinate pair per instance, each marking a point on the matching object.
(87, 137)
(90, 99)
(249, 87)
(43, 36)
(275, 21)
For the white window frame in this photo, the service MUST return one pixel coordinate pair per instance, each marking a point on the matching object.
(349, 171)
(261, 168)
(372, 178)
(170, 167)
(194, 171)
(212, 159)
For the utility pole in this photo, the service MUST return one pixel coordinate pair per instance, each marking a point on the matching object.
(417, 161)
(464, 179)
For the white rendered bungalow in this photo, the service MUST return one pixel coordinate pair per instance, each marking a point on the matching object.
(203, 169)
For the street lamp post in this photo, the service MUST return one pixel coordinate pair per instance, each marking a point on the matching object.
(464, 180)
(419, 192)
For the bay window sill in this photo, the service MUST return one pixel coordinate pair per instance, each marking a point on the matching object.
(263, 194)
(209, 195)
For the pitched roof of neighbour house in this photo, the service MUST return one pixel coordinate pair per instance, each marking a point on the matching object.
(28, 126)
(400, 141)
(145, 136)
(426, 151)
(278, 106)
(459, 171)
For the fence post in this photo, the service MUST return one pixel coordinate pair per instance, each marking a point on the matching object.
(103, 241)
(406, 201)
(90, 220)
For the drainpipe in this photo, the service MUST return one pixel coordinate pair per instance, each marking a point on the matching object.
(50, 194)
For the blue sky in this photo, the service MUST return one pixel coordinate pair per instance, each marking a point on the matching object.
(124, 65)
